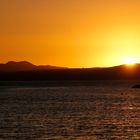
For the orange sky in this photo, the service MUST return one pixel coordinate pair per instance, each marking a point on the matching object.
(73, 33)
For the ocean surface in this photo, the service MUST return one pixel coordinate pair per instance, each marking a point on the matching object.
(88, 110)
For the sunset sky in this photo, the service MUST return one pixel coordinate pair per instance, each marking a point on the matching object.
(72, 33)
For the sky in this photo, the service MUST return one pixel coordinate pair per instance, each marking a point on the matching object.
(71, 33)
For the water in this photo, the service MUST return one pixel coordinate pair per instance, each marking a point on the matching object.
(99, 110)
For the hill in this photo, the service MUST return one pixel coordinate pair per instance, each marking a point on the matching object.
(18, 71)
(13, 66)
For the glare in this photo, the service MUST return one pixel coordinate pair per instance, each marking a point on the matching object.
(129, 61)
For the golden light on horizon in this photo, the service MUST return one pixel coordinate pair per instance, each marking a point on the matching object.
(129, 61)
(70, 33)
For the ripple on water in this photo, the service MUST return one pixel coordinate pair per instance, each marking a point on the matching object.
(70, 113)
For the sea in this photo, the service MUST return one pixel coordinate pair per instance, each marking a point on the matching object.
(69, 110)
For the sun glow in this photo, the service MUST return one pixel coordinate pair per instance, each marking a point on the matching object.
(129, 61)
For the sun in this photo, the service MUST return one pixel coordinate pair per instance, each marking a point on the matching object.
(129, 61)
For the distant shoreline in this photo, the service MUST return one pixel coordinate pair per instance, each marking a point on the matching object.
(65, 83)
(25, 71)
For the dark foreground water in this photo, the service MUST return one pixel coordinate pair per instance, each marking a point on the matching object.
(99, 110)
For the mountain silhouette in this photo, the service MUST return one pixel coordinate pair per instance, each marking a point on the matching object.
(18, 71)
(13, 66)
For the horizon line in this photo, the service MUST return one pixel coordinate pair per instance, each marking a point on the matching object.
(25, 61)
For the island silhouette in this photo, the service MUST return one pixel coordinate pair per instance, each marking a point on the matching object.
(18, 71)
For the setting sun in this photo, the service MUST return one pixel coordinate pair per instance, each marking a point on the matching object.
(70, 33)
(129, 61)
